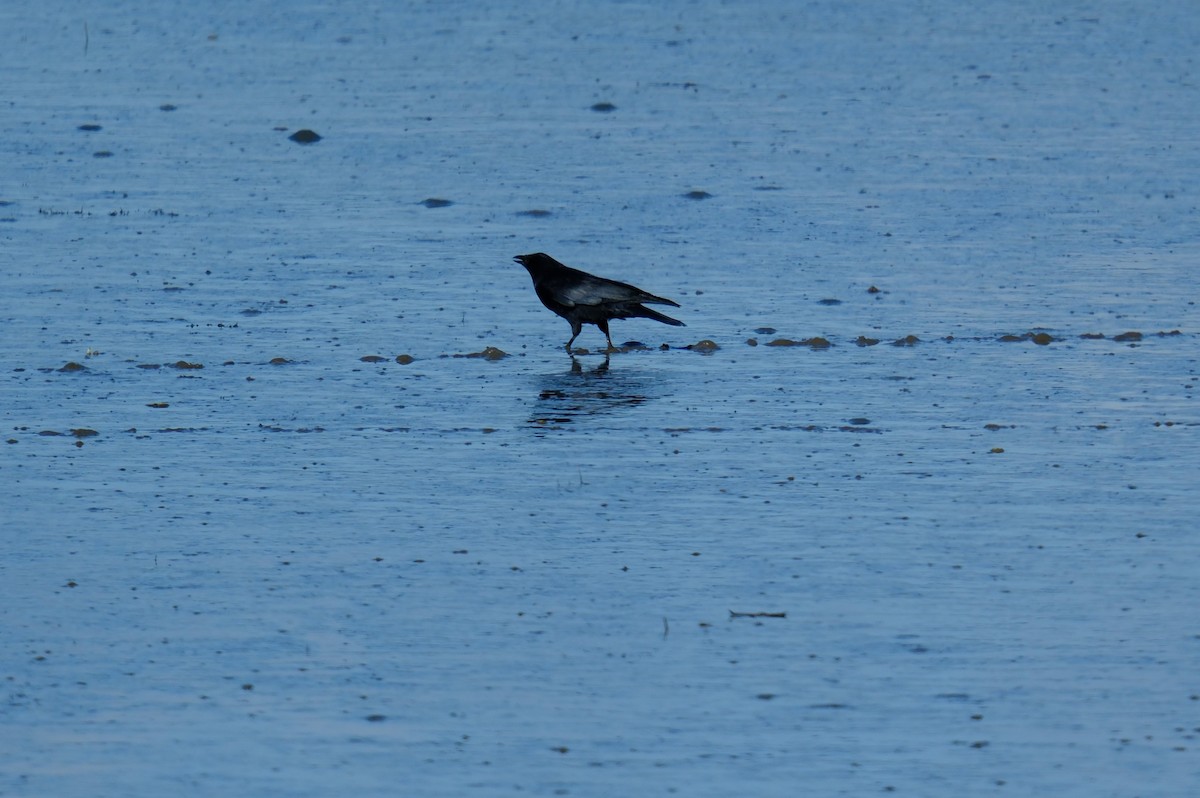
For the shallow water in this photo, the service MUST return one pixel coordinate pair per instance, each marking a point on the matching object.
(942, 565)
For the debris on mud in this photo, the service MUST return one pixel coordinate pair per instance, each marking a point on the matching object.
(305, 136)
(488, 353)
(1040, 338)
(813, 343)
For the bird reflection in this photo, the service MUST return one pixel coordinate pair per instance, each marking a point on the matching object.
(584, 393)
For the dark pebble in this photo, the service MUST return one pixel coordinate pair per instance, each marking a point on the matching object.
(305, 136)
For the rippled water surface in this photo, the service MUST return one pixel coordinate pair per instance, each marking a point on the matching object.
(922, 521)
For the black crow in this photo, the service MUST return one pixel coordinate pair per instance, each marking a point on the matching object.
(583, 298)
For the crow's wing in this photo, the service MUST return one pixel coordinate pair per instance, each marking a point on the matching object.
(587, 289)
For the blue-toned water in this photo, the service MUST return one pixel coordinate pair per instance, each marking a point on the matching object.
(246, 551)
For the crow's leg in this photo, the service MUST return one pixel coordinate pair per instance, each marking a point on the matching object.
(576, 328)
(603, 325)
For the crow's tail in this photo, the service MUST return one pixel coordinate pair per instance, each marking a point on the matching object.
(647, 313)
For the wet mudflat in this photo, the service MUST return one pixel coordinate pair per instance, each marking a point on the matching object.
(303, 495)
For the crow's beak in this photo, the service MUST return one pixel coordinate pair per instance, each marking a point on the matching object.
(519, 259)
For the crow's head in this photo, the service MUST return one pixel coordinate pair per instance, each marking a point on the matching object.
(537, 263)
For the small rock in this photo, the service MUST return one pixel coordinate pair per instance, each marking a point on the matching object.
(488, 353)
(305, 136)
(815, 343)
